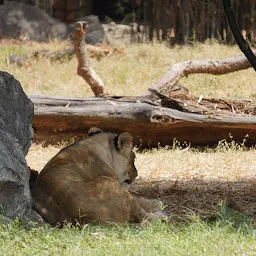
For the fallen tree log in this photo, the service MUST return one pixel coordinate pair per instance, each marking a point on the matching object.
(58, 119)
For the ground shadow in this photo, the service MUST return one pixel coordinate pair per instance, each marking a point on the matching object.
(200, 197)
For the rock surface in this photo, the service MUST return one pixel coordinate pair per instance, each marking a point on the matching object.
(117, 33)
(95, 33)
(16, 114)
(28, 22)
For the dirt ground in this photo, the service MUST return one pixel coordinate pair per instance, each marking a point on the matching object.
(197, 183)
(187, 181)
(203, 198)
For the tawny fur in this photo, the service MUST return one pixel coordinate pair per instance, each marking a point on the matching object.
(86, 182)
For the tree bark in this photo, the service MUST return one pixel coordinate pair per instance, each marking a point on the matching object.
(208, 66)
(243, 45)
(58, 119)
(84, 70)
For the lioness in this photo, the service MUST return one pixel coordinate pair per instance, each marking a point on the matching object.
(87, 181)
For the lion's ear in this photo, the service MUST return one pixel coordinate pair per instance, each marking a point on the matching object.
(124, 142)
(93, 131)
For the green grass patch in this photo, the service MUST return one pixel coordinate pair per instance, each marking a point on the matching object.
(11, 50)
(224, 236)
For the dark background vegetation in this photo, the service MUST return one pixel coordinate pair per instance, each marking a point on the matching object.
(178, 21)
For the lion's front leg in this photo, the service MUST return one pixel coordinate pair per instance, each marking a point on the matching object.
(152, 206)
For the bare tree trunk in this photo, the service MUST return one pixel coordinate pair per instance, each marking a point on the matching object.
(252, 21)
(172, 24)
(245, 48)
(84, 70)
(165, 19)
(151, 19)
(179, 24)
(186, 26)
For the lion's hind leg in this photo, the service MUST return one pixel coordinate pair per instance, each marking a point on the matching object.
(103, 200)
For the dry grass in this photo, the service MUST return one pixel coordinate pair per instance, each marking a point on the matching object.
(174, 165)
(126, 74)
(183, 179)
(39, 155)
(186, 180)
(191, 165)
(198, 181)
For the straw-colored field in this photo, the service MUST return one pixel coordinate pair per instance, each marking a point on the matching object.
(137, 68)
(185, 179)
(215, 184)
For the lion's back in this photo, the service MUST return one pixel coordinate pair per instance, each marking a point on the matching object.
(66, 182)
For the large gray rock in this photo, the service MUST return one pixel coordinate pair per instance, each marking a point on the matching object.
(19, 20)
(95, 33)
(117, 33)
(16, 114)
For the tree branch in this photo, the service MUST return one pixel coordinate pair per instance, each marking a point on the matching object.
(83, 69)
(245, 48)
(208, 66)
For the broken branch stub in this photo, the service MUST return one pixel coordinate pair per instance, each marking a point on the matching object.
(83, 69)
